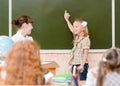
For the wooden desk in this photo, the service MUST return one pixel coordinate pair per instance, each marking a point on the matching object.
(50, 66)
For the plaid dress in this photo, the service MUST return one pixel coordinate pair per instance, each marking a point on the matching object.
(78, 50)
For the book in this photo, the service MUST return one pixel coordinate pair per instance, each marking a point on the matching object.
(60, 84)
(62, 76)
(69, 80)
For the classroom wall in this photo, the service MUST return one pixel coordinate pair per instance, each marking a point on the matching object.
(62, 58)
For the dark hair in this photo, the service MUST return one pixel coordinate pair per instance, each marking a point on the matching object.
(20, 20)
(110, 61)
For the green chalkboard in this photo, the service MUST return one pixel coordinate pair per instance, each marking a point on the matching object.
(4, 17)
(117, 23)
(50, 29)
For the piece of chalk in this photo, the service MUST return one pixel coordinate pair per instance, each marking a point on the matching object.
(65, 11)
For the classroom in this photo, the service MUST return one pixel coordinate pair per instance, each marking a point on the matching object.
(52, 33)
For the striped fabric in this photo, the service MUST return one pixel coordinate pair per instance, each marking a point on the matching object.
(112, 79)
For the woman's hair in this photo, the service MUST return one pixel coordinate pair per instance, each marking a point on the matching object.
(111, 62)
(23, 65)
(20, 20)
(85, 32)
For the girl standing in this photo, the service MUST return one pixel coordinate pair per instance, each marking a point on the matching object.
(79, 53)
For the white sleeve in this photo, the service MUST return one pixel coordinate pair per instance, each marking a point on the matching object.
(48, 76)
(91, 79)
(3, 75)
(29, 38)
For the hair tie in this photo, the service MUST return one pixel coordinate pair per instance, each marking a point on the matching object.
(104, 60)
(84, 23)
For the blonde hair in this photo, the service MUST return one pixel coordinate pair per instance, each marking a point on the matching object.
(85, 31)
(110, 61)
(23, 65)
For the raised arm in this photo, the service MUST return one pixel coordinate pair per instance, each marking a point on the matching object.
(66, 17)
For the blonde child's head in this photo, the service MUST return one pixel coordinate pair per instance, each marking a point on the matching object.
(82, 27)
(109, 63)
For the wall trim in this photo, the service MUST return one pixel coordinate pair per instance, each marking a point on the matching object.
(68, 51)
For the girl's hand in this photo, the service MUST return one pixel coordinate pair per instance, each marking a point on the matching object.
(66, 16)
(80, 68)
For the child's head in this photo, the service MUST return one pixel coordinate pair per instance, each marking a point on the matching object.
(111, 59)
(80, 27)
(109, 63)
(23, 64)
